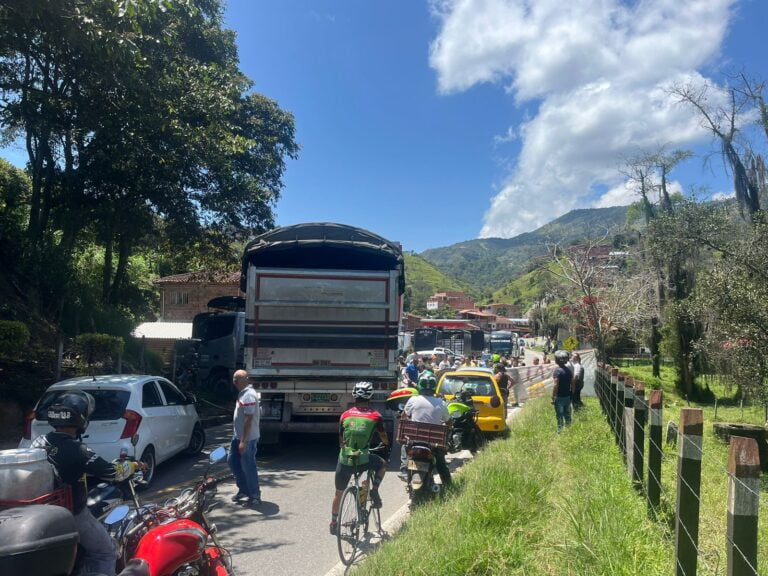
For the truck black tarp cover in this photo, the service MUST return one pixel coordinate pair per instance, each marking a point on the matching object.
(322, 245)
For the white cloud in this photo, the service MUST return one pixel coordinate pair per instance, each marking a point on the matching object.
(599, 70)
(625, 193)
(723, 195)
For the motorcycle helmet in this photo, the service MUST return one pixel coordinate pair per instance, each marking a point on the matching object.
(561, 357)
(363, 391)
(71, 410)
(427, 382)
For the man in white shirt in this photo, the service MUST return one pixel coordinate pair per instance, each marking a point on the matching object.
(429, 409)
(242, 451)
(578, 380)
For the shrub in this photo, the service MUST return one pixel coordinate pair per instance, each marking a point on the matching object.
(13, 336)
(98, 347)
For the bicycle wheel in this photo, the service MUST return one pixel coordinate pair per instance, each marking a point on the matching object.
(348, 534)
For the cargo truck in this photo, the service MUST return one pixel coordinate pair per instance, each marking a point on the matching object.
(322, 312)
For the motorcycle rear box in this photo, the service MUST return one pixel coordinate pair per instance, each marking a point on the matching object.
(37, 540)
(432, 434)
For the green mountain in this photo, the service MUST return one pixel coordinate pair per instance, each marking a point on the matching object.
(487, 264)
(424, 279)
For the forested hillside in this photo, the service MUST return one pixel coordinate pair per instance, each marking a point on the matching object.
(486, 264)
(424, 279)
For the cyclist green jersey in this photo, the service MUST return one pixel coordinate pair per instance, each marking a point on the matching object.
(357, 426)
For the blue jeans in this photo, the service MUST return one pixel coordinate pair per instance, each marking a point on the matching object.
(244, 468)
(99, 551)
(563, 411)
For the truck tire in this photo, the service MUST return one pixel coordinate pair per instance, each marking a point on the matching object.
(220, 384)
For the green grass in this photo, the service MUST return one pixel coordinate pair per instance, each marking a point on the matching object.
(534, 504)
(714, 480)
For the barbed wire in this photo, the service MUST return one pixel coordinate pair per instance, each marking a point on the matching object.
(608, 404)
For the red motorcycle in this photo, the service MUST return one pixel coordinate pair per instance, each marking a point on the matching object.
(175, 539)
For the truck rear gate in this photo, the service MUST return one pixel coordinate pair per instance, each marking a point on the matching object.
(321, 323)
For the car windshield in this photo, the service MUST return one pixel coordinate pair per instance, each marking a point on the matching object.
(480, 386)
(110, 404)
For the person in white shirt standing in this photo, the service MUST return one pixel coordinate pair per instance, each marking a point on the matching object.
(429, 409)
(242, 451)
(578, 380)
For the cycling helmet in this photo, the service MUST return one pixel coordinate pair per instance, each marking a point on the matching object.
(363, 391)
(561, 357)
(427, 381)
(71, 410)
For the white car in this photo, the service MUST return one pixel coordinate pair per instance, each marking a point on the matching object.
(164, 418)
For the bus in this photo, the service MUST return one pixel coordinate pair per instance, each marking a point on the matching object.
(505, 343)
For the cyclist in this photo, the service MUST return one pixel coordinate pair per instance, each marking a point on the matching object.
(356, 428)
(73, 460)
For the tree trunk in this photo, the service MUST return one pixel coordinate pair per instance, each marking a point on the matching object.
(654, 347)
(106, 273)
(124, 252)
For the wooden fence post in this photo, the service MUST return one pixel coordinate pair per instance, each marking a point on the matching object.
(743, 506)
(638, 452)
(621, 392)
(613, 400)
(655, 451)
(628, 416)
(690, 445)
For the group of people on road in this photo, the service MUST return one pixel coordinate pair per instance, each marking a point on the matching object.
(568, 382)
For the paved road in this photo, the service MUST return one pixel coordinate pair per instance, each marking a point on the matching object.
(288, 535)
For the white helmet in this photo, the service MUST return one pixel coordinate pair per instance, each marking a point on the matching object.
(363, 391)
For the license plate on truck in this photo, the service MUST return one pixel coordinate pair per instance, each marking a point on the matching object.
(320, 397)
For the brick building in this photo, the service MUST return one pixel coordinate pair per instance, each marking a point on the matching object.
(450, 299)
(184, 295)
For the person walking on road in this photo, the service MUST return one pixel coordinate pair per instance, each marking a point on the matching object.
(503, 382)
(242, 450)
(562, 392)
(356, 428)
(578, 380)
(412, 370)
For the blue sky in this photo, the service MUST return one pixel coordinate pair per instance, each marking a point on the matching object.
(435, 122)
(432, 122)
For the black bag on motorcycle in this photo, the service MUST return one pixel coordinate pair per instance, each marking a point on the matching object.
(38, 540)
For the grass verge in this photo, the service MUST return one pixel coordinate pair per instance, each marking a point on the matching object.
(535, 503)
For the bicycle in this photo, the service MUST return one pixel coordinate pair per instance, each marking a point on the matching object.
(356, 510)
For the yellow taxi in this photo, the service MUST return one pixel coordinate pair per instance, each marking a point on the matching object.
(485, 394)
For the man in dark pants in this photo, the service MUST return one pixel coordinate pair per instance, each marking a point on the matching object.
(73, 460)
(562, 392)
(242, 451)
(431, 410)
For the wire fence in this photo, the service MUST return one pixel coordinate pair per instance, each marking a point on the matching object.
(711, 504)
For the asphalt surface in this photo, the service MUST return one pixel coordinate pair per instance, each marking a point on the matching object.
(288, 533)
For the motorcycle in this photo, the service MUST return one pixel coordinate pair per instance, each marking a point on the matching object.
(421, 467)
(42, 540)
(465, 433)
(173, 539)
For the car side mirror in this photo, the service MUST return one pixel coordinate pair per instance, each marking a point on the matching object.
(191, 398)
(495, 402)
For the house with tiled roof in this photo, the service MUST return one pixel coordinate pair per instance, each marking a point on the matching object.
(182, 296)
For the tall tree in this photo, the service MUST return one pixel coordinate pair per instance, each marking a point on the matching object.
(138, 122)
